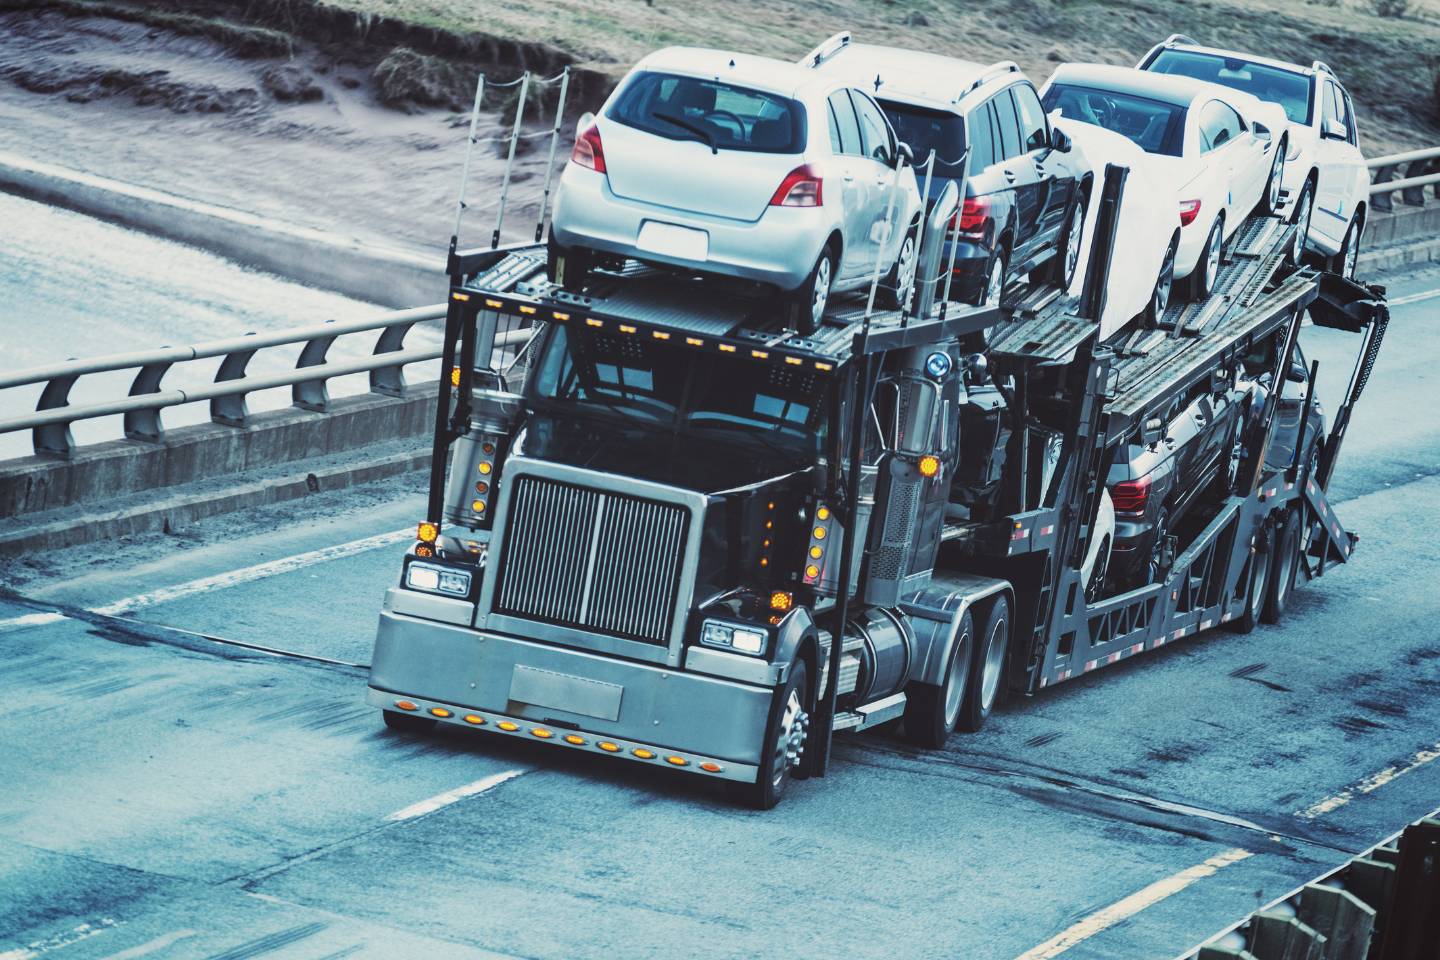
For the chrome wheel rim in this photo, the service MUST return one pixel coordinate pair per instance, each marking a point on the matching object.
(1259, 571)
(1165, 283)
(1212, 258)
(996, 285)
(1352, 252)
(994, 657)
(1297, 249)
(822, 290)
(954, 689)
(790, 744)
(905, 274)
(1277, 171)
(1072, 243)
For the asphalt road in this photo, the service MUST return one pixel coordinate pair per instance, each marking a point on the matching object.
(171, 795)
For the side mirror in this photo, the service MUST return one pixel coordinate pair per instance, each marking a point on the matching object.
(1059, 140)
(1298, 373)
(583, 123)
(1261, 131)
(903, 149)
(1152, 432)
(1333, 129)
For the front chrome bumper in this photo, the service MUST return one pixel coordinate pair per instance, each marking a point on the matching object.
(680, 719)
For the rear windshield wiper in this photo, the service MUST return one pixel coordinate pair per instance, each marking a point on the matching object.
(695, 128)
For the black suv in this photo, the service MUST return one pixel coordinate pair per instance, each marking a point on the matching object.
(1024, 205)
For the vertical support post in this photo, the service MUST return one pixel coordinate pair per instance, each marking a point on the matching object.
(465, 170)
(313, 394)
(510, 159)
(915, 299)
(145, 424)
(1102, 250)
(952, 236)
(550, 163)
(390, 381)
(55, 439)
(1293, 473)
(440, 445)
(231, 410)
(880, 248)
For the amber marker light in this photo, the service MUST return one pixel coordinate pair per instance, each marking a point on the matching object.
(454, 376)
(477, 505)
(440, 712)
(644, 754)
(782, 600)
(462, 297)
(816, 553)
(484, 468)
(424, 550)
(574, 741)
(818, 533)
(608, 747)
(929, 466)
(474, 719)
(541, 733)
(495, 304)
(823, 513)
(406, 705)
(427, 532)
(677, 761)
(812, 571)
(507, 726)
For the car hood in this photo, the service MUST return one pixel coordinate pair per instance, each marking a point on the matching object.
(658, 455)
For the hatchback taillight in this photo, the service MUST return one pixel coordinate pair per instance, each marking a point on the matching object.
(802, 187)
(1131, 496)
(588, 152)
(1189, 210)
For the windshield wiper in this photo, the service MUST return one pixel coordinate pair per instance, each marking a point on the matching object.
(695, 128)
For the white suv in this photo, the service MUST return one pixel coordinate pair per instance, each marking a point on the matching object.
(1325, 172)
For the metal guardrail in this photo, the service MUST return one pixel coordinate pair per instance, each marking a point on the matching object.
(1422, 169)
(308, 380)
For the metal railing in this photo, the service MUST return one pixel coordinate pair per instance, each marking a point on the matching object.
(1422, 169)
(227, 394)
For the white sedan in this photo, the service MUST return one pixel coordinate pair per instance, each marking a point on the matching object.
(1210, 145)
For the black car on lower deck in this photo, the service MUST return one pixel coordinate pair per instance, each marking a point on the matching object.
(1023, 208)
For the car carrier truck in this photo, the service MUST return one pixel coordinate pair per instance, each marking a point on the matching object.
(666, 528)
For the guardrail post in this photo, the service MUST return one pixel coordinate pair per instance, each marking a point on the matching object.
(1383, 201)
(1415, 196)
(231, 410)
(145, 424)
(313, 394)
(55, 439)
(390, 381)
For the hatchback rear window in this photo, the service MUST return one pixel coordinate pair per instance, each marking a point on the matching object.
(720, 115)
(1154, 126)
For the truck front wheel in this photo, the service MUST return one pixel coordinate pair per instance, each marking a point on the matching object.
(408, 722)
(784, 747)
(1287, 562)
(987, 672)
(1257, 579)
(931, 711)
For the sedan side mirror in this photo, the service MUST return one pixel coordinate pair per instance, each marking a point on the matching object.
(1059, 140)
(1262, 132)
(1333, 129)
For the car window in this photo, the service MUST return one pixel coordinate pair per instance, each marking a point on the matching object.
(980, 125)
(1354, 136)
(1033, 133)
(1219, 125)
(873, 129)
(1327, 102)
(1152, 125)
(721, 115)
(1291, 90)
(1009, 124)
(849, 127)
(1336, 108)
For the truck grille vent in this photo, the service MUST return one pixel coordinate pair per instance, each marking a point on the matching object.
(592, 560)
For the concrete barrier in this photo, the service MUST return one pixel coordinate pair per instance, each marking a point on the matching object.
(394, 278)
(1409, 235)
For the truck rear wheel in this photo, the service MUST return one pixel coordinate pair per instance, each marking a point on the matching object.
(987, 669)
(931, 712)
(1287, 562)
(784, 746)
(408, 722)
(1257, 580)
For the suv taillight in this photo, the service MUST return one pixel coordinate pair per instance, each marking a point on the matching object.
(1131, 496)
(802, 187)
(588, 152)
(971, 216)
(1189, 210)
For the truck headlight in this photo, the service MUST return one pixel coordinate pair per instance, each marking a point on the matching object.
(433, 579)
(730, 636)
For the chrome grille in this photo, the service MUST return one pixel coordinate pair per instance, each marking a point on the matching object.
(592, 560)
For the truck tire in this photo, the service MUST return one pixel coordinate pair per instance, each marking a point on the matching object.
(931, 712)
(1287, 563)
(784, 744)
(408, 722)
(987, 668)
(1257, 581)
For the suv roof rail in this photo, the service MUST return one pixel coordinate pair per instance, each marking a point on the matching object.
(1320, 66)
(831, 46)
(1180, 38)
(994, 70)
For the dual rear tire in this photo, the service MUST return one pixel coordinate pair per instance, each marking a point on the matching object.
(974, 681)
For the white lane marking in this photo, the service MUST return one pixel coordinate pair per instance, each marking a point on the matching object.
(451, 796)
(220, 581)
(64, 938)
(1413, 298)
(149, 947)
(1133, 904)
(1370, 784)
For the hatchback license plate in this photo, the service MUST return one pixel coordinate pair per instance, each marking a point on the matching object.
(670, 240)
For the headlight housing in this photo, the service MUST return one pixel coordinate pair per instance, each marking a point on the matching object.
(740, 638)
(432, 578)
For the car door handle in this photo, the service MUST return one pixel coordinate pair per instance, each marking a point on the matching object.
(848, 178)
(1010, 175)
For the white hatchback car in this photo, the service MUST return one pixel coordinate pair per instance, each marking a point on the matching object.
(1325, 172)
(717, 162)
(1214, 146)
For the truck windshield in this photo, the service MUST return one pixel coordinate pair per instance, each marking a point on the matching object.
(1291, 90)
(650, 381)
(1152, 125)
(925, 130)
